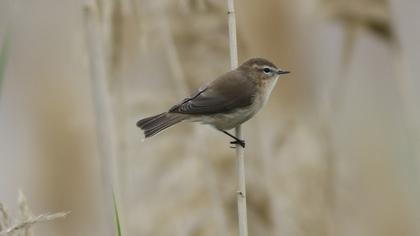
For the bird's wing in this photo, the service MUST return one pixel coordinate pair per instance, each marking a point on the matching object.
(230, 91)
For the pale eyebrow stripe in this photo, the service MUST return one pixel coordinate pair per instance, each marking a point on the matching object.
(271, 68)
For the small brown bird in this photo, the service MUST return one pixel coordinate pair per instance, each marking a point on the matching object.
(224, 103)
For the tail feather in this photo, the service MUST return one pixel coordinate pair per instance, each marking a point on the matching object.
(155, 124)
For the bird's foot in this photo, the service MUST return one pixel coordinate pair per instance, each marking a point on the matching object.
(238, 141)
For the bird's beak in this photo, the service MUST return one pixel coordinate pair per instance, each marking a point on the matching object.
(280, 72)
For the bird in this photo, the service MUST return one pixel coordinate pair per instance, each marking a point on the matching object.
(224, 103)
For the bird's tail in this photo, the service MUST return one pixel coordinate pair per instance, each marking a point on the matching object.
(154, 124)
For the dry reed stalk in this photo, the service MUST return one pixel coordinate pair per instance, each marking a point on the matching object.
(335, 94)
(31, 221)
(117, 91)
(104, 116)
(5, 221)
(407, 94)
(25, 213)
(196, 145)
(240, 162)
(355, 17)
(172, 56)
(22, 226)
(266, 151)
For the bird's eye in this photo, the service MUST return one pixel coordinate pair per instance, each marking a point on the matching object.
(267, 70)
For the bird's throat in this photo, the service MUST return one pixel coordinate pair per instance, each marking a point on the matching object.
(266, 87)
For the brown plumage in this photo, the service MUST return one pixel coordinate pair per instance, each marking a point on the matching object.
(224, 103)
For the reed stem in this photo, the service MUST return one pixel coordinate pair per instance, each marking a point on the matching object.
(240, 162)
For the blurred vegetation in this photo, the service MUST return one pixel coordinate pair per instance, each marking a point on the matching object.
(118, 231)
(22, 224)
(335, 152)
(4, 52)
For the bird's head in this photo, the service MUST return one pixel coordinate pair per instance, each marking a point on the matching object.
(261, 69)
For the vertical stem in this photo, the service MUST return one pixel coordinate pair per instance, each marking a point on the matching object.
(195, 146)
(172, 55)
(104, 116)
(232, 35)
(240, 162)
(241, 193)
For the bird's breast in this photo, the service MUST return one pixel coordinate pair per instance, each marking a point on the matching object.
(265, 88)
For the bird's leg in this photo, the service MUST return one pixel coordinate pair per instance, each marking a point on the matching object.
(237, 140)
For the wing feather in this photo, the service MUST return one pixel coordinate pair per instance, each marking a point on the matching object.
(228, 92)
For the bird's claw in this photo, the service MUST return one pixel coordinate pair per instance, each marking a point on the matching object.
(240, 142)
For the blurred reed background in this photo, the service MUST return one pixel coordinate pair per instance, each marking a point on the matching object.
(335, 152)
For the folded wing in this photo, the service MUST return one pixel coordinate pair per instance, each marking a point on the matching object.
(230, 91)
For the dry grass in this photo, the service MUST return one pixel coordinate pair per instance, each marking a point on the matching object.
(327, 156)
(23, 224)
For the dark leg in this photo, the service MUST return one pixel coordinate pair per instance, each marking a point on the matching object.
(237, 140)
